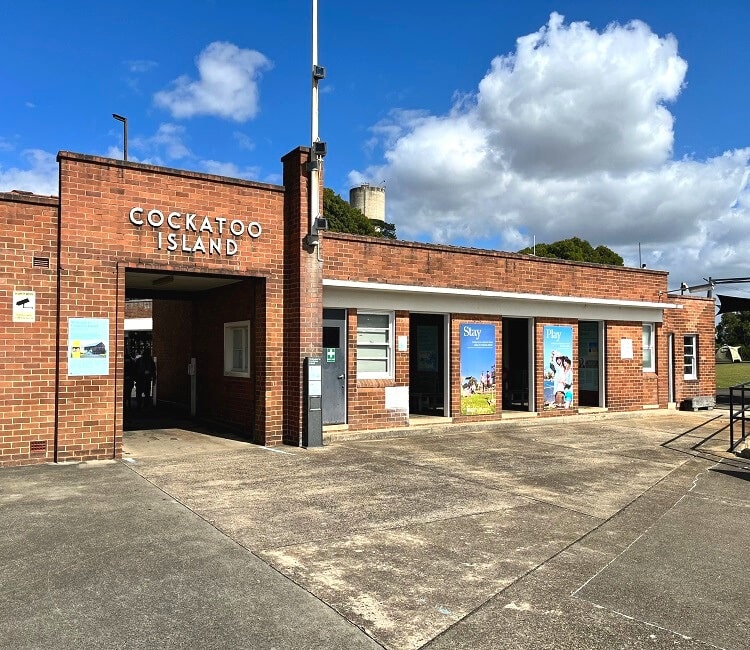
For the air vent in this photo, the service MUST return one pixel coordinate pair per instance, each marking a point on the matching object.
(38, 446)
(41, 262)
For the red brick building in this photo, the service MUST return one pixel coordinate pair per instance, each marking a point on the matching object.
(239, 301)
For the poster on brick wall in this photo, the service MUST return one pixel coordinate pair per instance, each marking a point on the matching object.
(88, 346)
(477, 349)
(558, 367)
(24, 306)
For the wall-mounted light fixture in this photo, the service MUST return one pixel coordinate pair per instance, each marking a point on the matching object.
(319, 148)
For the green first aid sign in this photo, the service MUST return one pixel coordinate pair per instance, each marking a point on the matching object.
(331, 355)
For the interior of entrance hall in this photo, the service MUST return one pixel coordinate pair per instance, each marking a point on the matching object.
(207, 341)
(590, 369)
(427, 364)
(516, 364)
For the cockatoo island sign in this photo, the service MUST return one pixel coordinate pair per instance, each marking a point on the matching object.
(189, 233)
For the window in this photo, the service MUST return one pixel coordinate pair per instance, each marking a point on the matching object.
(237, 349)
(649, 352)
(374, 345)
(691, 356)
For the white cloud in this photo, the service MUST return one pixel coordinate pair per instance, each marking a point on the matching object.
(141, 65)
(570, 135)
(229, 169)
(136, 68)
(168, 141)
(227, 86)
(41, 177)
(243, 140)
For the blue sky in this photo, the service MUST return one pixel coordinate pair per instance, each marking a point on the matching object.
(590, 125)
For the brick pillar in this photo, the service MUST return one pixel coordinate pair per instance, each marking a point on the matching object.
(303, 290)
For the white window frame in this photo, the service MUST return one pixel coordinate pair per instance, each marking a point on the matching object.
(691, 359)
(231, 369)
(390, 358)
(650, 345)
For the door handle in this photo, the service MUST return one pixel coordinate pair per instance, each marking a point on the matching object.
(341, 376)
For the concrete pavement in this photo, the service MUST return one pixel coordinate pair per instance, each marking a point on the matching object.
(588, 532)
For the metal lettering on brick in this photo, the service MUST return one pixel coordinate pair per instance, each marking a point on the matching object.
(190, 233)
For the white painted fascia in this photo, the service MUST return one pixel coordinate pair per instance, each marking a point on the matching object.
(375, 295)
(139, 324)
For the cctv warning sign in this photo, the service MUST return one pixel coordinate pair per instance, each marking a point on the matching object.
(24, 306)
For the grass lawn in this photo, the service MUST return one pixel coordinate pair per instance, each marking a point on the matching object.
(479, 404)
(729, 374)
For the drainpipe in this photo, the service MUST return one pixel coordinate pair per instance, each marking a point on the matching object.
(58, 315)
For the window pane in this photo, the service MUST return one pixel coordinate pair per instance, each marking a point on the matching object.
(372, 365)
(372, 352)
(331, 337)
(646, 358)
(374, 349)
(689, 357)
(239, 349)
(648, 348)
(372, 320)
(371, 337)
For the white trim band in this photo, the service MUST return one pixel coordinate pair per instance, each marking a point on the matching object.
(375, 295)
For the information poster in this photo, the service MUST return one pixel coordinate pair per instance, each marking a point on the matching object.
(478, 353)
(88, 346)
(558, 367)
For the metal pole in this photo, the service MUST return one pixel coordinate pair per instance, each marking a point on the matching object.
(744, 406)
(731, 418)
(124, 121)
(314, 137)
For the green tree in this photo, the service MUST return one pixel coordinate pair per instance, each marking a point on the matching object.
(576, 250)
(385, 230)
(734, 329)
(342, 217)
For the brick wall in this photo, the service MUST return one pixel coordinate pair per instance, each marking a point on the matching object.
(368, 259)
(27, 370)
(696, 317)
(229, 400)
(364, 259)
(303, 315)
(366, 397)
(280, 292)
(138, 309)
(173, 348)
(625, 377)
(99, 244)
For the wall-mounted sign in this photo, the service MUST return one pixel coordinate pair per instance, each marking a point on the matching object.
(88, 346)
(189, 233)
(478, 353)
(24, 306)
(558, 367)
